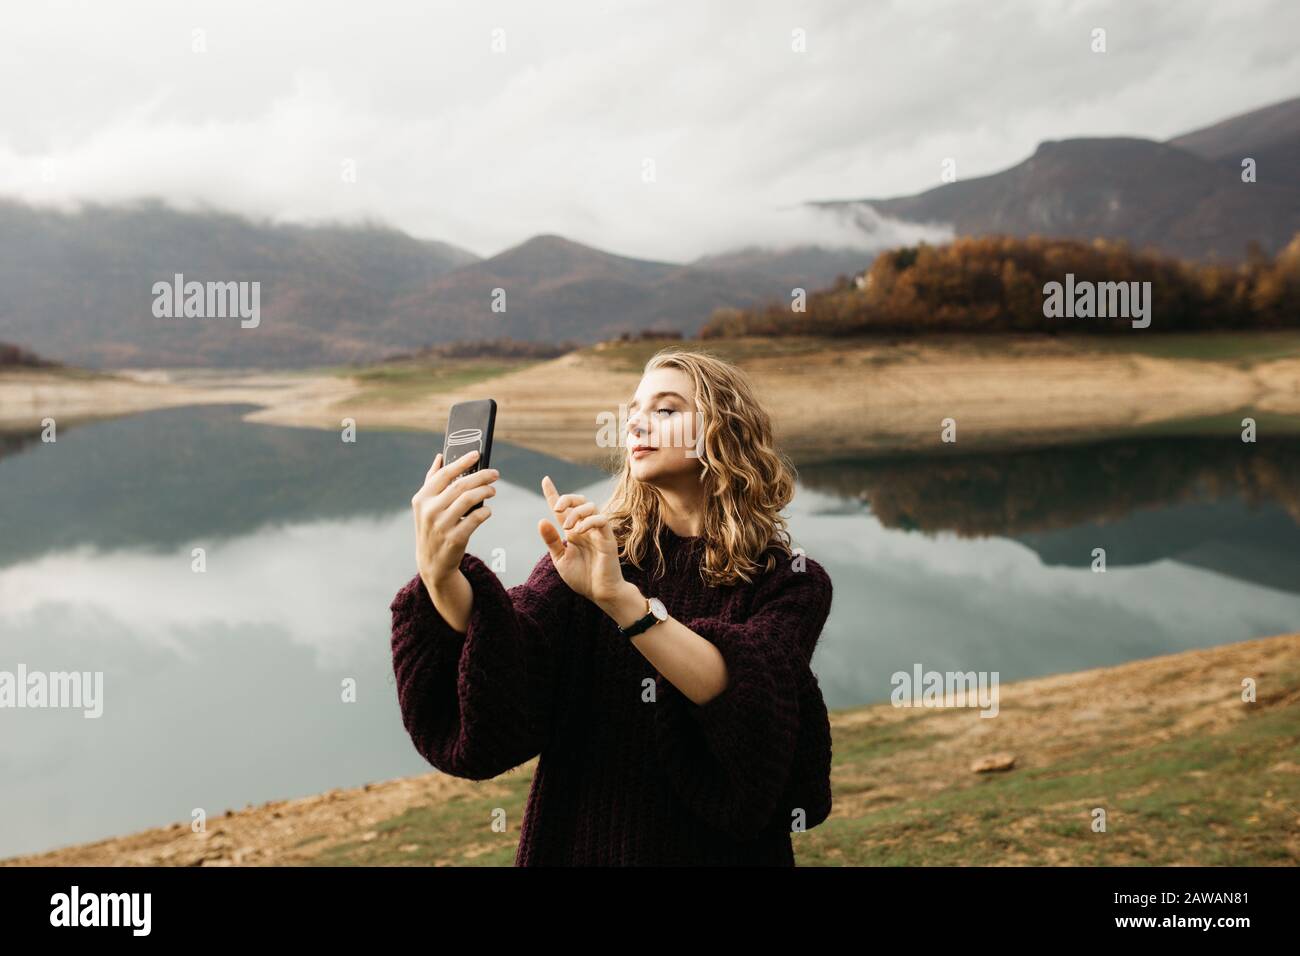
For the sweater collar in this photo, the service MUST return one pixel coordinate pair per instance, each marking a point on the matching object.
(672, 537)
(680, 552)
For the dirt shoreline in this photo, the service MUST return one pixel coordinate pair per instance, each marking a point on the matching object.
(898, 759)
(828, 399)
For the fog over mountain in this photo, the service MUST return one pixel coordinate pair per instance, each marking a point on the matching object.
(664, 132)
(1185, 197)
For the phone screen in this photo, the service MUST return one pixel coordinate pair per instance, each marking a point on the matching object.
(469, 428)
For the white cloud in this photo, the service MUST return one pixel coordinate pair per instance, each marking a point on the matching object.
(453, 141)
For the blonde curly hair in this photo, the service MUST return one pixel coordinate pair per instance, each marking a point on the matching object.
(747, 480)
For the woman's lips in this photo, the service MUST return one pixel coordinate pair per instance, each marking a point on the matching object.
(642, 450)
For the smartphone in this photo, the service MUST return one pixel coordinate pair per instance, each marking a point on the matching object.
(469, 428)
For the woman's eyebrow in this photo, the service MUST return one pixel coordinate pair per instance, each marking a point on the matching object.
(658, 395)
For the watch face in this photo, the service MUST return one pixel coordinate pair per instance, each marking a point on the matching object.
(658, 610)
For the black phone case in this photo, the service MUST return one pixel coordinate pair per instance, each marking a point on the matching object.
(469, 428)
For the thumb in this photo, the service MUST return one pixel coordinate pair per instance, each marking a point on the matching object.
(551, 538)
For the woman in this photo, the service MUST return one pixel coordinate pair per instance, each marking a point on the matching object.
(697, 738)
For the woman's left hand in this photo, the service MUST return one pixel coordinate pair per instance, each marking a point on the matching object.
(588, 559)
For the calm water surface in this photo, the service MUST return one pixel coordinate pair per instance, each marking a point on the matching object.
(223, 688)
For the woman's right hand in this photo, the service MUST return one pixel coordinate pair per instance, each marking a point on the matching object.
(442, 531)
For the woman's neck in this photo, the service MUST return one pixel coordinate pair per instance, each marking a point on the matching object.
(677, 529)
(682, 514)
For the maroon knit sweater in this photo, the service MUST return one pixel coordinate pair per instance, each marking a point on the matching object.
(632, 772)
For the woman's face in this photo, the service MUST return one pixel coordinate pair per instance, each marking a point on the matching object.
(662, 418)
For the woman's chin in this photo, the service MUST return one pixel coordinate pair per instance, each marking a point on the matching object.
(642, 471)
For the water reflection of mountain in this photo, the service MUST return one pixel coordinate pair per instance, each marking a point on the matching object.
(1215, 503)
(1259, 543)
(164, 478)
(13, 442)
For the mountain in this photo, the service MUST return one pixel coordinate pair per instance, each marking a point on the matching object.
(77, 286)
(11, 356)
(558, 289)
(1184, 197)
(807, 266)
(1270, 136)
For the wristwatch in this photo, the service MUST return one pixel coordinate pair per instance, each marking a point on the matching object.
(656, 612)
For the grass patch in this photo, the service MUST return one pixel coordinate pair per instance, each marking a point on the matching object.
(1226, 424)
(1203, 800)
(865, 742)
(1207, 799)
(455, 832)
(1241, 348)
(68, 373)
(400, 382)
(632, 356)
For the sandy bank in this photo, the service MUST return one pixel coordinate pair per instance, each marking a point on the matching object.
(828, 399)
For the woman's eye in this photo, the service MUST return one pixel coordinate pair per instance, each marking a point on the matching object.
(668, 410)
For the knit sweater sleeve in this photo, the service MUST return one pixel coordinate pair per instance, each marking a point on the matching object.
(731, 758)
(479, 703)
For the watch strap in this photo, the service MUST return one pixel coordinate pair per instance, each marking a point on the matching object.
(641, 624)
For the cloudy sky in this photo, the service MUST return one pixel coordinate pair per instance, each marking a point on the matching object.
(483, 123)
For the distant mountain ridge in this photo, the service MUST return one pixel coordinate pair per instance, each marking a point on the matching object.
(11, 356)
(558, 289)
(76, 287)
(1270, 136)
(1184, 197)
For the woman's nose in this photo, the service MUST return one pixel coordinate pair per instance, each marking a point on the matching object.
(635, 429)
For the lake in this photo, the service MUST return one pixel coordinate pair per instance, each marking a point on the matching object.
(223, 688)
